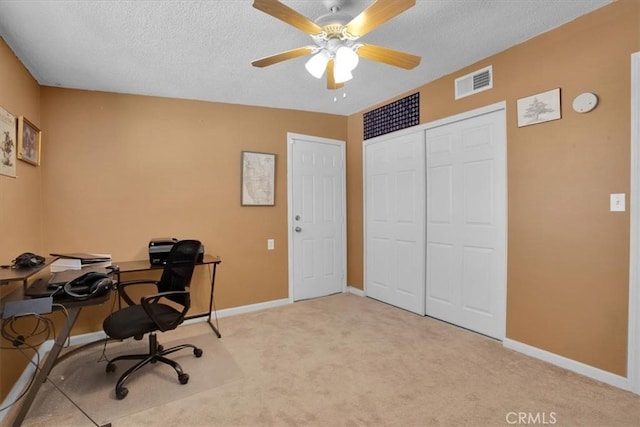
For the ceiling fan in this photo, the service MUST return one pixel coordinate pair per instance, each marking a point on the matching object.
(335, 35)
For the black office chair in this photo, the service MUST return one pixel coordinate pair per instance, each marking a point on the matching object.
(151, 315)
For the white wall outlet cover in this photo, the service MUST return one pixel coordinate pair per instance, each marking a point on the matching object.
(585, 102)
(617, 202)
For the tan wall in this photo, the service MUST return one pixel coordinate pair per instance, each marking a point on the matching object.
(118, 170)
(20, 198)
(355, 194)
(122, 169)
(20, 207)
(113, 165)
(568, 256)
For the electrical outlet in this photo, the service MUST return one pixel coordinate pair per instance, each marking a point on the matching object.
(271, 244)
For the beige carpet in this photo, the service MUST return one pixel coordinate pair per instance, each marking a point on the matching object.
(345, 360)
(82, 377)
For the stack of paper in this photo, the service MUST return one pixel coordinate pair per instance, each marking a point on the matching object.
(76, 261)
(62, 264)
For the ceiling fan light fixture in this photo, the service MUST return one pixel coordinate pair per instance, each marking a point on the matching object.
(347, 58)
(317, 64)
(341, 74)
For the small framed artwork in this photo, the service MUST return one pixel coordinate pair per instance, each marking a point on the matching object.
(258, 179)
(29, 141)
(539, 108)
(7, 143)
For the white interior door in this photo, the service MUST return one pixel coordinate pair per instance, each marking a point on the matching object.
(317, 243)
(395, 218)
(466, 223)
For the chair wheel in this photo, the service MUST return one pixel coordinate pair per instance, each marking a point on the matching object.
(122, 392)
(110, 367)
(160, 347)
(183, 378)
(197, 352)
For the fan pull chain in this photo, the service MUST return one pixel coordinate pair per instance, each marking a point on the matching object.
(344, 95)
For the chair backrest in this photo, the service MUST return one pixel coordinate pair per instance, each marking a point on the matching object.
(178, 270)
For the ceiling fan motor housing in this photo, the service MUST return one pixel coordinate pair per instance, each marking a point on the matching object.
(333, 24)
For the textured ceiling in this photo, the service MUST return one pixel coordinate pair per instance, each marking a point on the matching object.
(203, 50)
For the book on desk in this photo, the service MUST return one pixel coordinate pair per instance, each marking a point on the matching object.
(78, 261)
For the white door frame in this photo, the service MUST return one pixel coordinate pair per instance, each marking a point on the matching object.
(290, 138)
(633, 344)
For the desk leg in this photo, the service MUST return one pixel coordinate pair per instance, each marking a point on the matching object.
(43, 373)
(208, 314)
(215, 330)
(213, 282)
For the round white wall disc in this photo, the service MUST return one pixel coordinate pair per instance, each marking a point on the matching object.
(585, 102)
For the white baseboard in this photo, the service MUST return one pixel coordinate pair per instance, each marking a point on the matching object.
(569, 364)
(355, 291)
(86, 338)
(250, 308)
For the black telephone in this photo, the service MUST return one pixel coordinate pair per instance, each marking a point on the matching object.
(89, 285)
(27, 260)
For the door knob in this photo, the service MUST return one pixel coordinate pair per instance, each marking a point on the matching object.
(298, 229)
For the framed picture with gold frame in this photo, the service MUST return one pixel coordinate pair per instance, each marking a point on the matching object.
(29, 141)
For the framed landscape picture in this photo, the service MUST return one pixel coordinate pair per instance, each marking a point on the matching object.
(258, 179)
(29, 141)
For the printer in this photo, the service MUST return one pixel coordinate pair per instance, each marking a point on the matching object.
(159, 248)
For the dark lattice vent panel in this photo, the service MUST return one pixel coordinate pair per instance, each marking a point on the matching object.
(400, 114)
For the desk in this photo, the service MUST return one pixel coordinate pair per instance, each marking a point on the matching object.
(137, 266)
(22, 274)
(73, 309)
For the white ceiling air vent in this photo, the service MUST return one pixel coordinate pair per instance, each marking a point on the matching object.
(474, 82)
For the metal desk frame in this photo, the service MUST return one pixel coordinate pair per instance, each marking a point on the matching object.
(73, 308)
(144, 265)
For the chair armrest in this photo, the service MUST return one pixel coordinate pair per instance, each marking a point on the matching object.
(150, 300)
(123, 293)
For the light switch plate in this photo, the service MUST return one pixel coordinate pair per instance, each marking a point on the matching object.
(617, 202)
(271, 244)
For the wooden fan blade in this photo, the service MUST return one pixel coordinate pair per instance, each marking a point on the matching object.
(283, 56)
(377, 14)
(389, 56)
(287, 15)
(331, 81)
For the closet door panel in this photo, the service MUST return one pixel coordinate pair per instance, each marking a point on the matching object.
(395, 220)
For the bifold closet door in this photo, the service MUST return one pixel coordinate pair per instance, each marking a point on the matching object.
(466, 223)
(395, 220)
